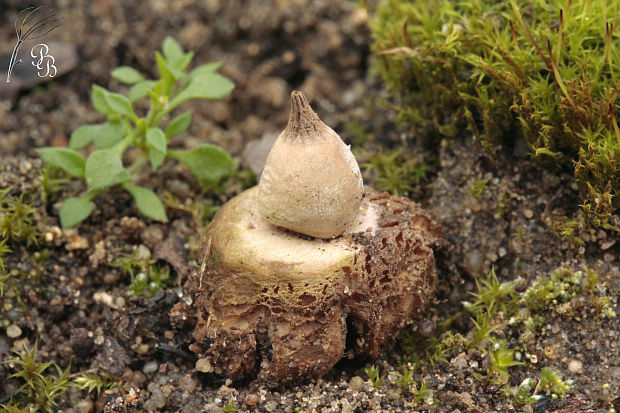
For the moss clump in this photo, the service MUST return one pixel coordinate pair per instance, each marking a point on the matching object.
(543, 72)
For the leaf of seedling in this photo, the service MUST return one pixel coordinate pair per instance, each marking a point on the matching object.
(139, 90)
(157, 142)
(205, 85)
(104, 135)
(169, 75)
(205, 161)
(182, 62)
(179, 124)
(109, 134)
(120, 104)
(97, 98)
(147, 202)
(172, 49)
(104, 168)
(75, 210)
(127, 75)
(66, 159)
(204, 69)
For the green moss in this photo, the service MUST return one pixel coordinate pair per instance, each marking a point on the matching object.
(145, 276)
(17, 219)
(40, 388)
(506, 321)
(477, 187)
(566, 292)
(394, 170)
(543, 72)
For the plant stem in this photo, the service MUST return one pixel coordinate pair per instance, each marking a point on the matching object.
(137, 164)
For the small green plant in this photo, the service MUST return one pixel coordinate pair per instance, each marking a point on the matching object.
(151, 281)
(91, 382)
(491, 294)
(17, 220)
(422, 394)
(124, 129)
(145, 276)
(129, 264)
(374, 376)
(555, 292)
(483, 327)
(550, 382)
(501, 358)
(405, 377)
(51, 183)
(231, 407)
(40, 388)
(4, 249)
(477, 187)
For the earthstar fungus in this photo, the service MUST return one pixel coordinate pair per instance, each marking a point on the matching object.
(311, 182)
(284, 307)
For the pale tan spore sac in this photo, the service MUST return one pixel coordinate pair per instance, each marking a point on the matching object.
(311, 183)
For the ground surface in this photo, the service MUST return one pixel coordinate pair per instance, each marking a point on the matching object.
(65, 292)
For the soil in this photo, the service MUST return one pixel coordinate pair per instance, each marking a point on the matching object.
(65, 292)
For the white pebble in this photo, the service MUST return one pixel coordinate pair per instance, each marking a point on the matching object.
(575, 366)
(13, 331)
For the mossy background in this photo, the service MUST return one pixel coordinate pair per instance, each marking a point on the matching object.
(538, 75)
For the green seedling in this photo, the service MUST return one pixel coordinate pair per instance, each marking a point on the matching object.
(94, 382)
(151, 281)
(145, 276)
(374, 376)
(422, 394)
(231, 407)
(477, 187)
(40, 388)
(550, 382)
(17, 219)
(405, 377)
(491, 294)
(501, 358)
(124, 129)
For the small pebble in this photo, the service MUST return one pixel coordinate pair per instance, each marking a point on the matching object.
(103, 298)
(528, 213)
(204, 365)
(13, 331)
(158, 398)
(84, 406)
(110, 278)
(252, 399)
(143, 253)
(13, 315)
(78, 243)
(150, 367)
(137, 379)
(356, 383)
(152, 235)
(142, 349)
(575, 366)
(393, 394)
(187, 383)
